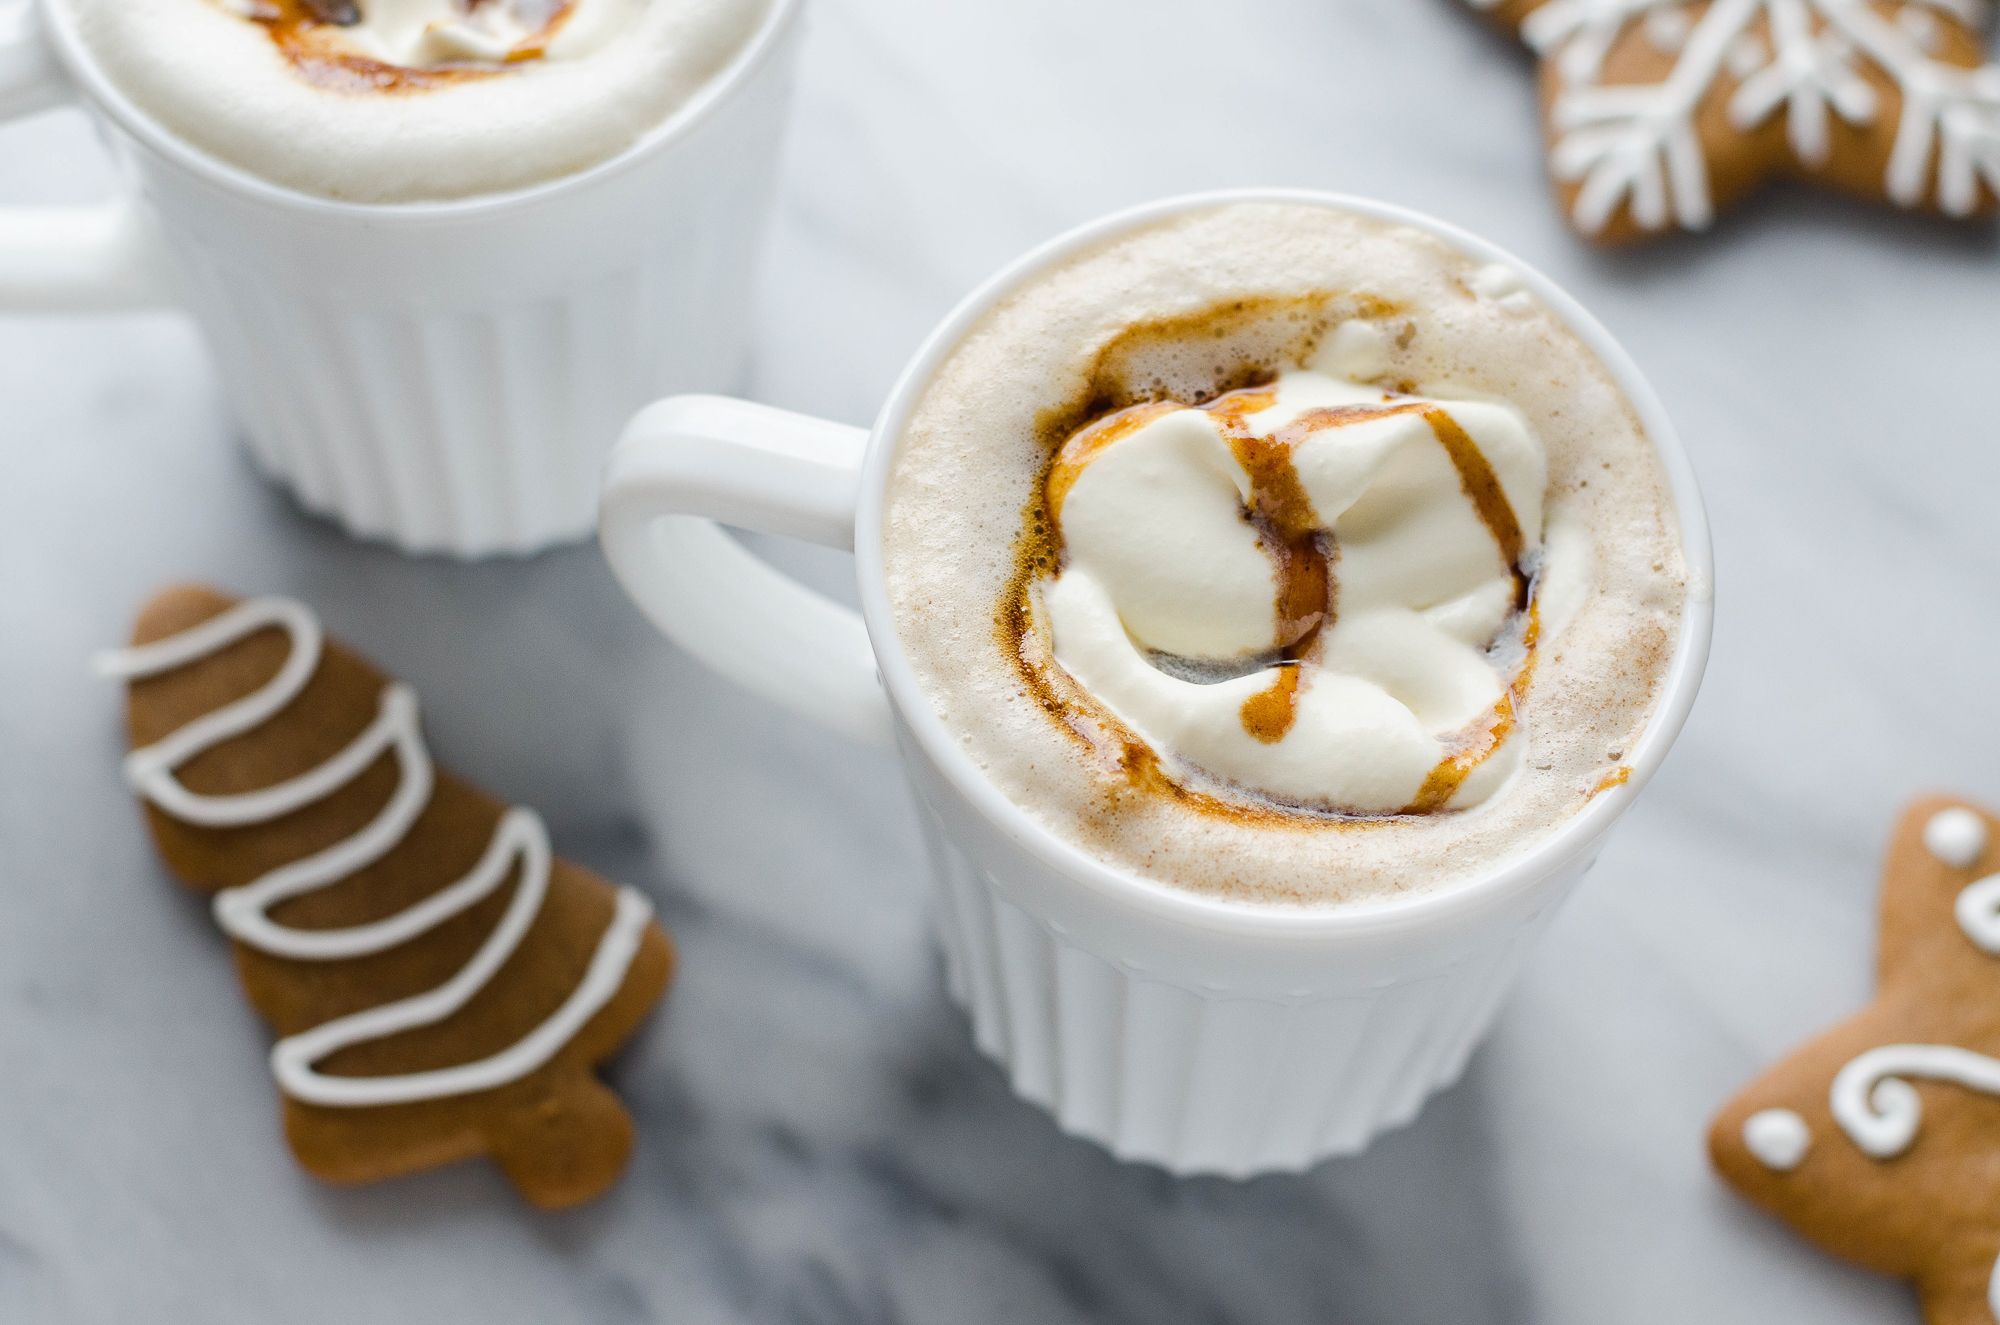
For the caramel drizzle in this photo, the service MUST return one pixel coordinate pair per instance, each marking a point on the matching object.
(1089, 442)
(1307, 588)
(1072, 433)
(1286, 527)
(299, 29)
(1476, 744)
(1302, 554)
(1481, 485)
(1269, 714)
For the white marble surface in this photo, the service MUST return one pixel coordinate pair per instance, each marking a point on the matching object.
(819, 1143)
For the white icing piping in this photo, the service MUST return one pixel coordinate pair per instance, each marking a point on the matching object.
(293, 1059)
(1952, 114)
(1978, 910)
(1880, 1110)
(1872, 1098)
(1808, 75)
(218, 632)
(1639, 145)
(1777, 1138)
(243, 912)
(1956, 836)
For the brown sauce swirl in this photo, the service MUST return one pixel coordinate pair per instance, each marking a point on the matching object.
(1302, 554)
(307, 33)
(1617, 777)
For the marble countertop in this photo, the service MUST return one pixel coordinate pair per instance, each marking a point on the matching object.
(819, 1141)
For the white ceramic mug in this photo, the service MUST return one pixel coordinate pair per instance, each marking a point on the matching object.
(443, 376)
(1202, 1034)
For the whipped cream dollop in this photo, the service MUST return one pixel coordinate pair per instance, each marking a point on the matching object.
(419, 34)
(1314, 591)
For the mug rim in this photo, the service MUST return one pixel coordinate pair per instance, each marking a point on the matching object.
(1540, 861)
(102, 91)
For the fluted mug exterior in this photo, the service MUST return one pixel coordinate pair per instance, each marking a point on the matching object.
(444, 377)
(1200, 1033)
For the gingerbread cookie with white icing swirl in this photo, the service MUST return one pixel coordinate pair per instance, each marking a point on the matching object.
(1662, 113)
(441, 985)
(1880, 1140)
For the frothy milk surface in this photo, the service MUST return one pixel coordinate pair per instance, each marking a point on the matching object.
(1094, 561)
(413, 100)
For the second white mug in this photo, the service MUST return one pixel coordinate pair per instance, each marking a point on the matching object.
(1204, 1034)
(447, 376)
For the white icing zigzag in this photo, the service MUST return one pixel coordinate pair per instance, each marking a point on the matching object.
(244, 913)
(1638, 145)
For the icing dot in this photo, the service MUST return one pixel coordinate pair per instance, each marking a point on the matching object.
(1668, 29)
(1746, 56)
(1956, 836)
(1978, 912)
(1777, 1138)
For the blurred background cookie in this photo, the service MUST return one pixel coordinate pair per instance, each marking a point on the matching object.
(1662, 112)
(1880, 1140)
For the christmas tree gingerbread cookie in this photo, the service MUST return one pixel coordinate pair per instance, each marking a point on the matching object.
(1880, 1140)
(1661, 112)
(441, 986)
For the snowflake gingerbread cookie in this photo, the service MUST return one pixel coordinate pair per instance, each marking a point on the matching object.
(1880, 1140)
(1661, 112)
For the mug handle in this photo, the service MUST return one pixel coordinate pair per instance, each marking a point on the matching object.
(689, 464)
(66, 259)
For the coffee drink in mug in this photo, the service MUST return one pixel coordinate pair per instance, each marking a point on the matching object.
(1275, 599)
(400, 100)
(440, 249)
(1287, 556)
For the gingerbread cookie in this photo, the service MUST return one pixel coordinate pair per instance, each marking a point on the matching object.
(441, 986)
(1880, 1140)
(1660, 112)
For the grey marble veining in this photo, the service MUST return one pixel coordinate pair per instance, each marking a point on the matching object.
(819, 1143)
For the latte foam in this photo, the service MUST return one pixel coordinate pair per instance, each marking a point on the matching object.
(386, 101)
(1513, 586)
